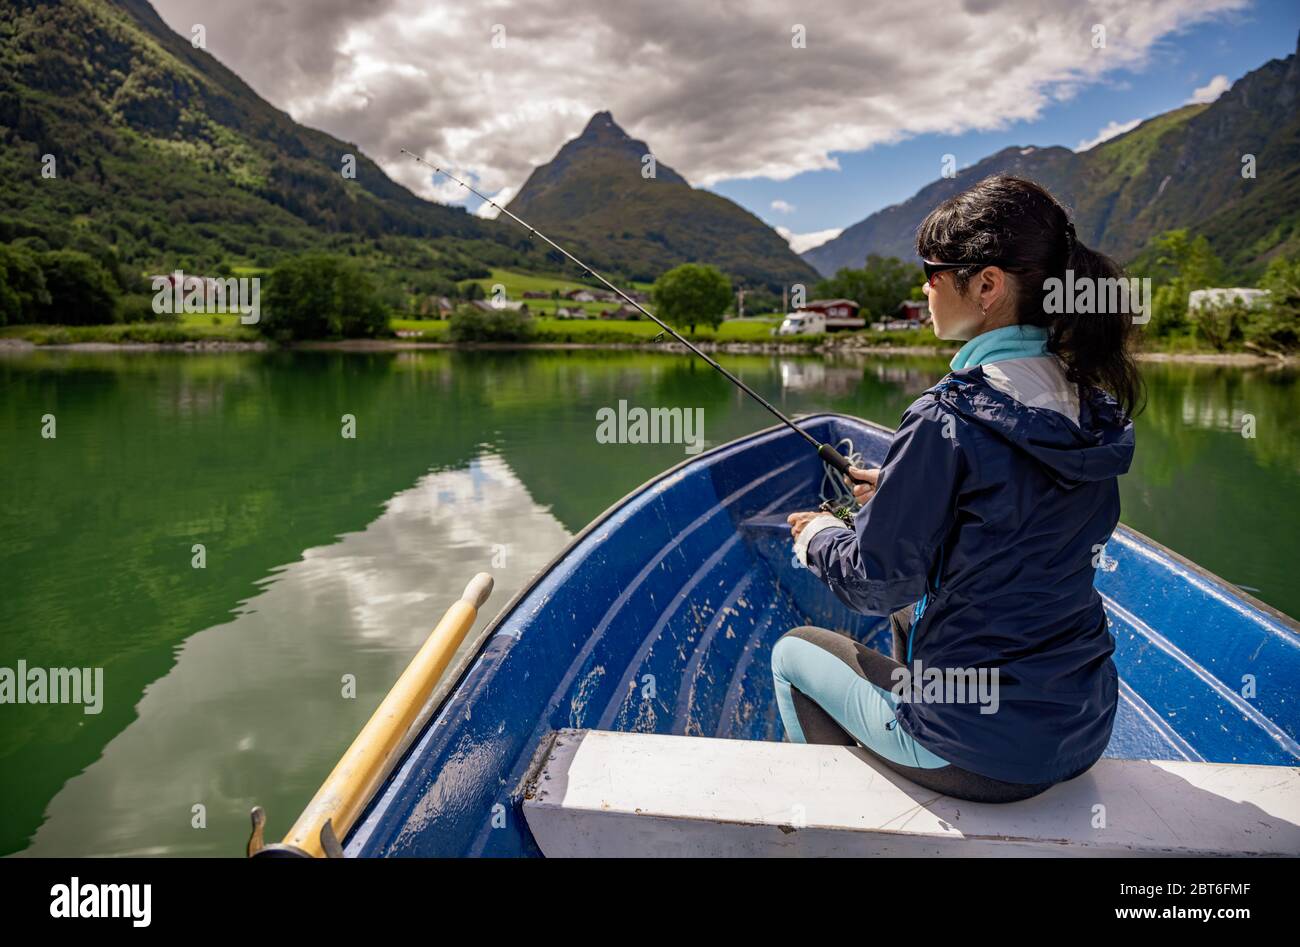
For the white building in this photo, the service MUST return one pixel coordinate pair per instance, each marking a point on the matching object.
(1200, 298)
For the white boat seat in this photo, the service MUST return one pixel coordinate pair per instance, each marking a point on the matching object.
(599, 793)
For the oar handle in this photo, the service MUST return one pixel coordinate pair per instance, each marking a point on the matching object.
(478, 590)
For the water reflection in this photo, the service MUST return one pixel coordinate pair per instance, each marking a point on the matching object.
(261, 694)
(222, 684)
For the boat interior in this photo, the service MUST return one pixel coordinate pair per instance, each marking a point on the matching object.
(659, 619)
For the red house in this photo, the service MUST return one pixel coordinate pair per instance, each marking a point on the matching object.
(833, 308)
(914, 310)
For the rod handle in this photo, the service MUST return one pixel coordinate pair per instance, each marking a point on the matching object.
(833, 457)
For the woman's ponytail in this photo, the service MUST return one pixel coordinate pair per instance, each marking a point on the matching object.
(1096, 346)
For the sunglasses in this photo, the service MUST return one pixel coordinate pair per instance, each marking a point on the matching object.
(933, 269)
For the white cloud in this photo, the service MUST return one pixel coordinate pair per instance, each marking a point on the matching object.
(782, 207)
(799, 242)
(717, 90)
(1210, 91)
(501, 198)
(1113, 130)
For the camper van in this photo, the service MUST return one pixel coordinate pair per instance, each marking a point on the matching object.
(810, 322)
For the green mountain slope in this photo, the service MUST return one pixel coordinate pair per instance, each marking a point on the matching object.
(593, 194)
(169, 158)
(892, 231)
(1179, 169)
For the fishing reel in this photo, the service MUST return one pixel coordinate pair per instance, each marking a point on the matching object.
(844, 513)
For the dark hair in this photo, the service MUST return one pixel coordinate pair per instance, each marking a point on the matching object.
(1022, 228)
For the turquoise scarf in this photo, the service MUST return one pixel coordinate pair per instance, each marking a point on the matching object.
(1018, 341)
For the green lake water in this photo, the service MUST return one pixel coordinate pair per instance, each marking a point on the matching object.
(328, 556)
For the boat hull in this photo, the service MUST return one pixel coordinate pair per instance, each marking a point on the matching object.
(661, 616)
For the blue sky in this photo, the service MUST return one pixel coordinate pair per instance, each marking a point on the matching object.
(1232, 45)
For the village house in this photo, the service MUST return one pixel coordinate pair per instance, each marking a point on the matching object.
(436, 306)
(486, 305)
(833, 308)
(914, 310)
(189, 281)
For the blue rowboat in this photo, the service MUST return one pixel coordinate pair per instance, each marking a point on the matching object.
(661, 615)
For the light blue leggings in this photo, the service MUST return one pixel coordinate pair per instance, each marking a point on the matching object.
(830, 688)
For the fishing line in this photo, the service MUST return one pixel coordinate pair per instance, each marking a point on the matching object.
(833, 489)
(825, 451)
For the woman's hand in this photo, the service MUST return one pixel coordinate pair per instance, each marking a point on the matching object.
(798, 521)
(862, 482)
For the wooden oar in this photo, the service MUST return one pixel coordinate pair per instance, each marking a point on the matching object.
(386, 736)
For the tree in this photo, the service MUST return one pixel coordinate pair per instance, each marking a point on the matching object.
(1192, 265)
(23, 295)
(320, 296)
(879, 287)
(761, 300)
(471, 324)
(81, 291)
(692, 293)
(1220, 323)
(1276, 325)
(103, 254)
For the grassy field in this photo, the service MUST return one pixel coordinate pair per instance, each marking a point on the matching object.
(516, 284)
(226, 327)
(199, 320)
(165, 333)
(609, 331)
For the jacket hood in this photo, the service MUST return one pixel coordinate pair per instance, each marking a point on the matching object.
(1077, 434)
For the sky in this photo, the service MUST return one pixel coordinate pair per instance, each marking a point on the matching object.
(810, 115)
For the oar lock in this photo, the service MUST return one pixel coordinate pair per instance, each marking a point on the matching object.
(257, 847)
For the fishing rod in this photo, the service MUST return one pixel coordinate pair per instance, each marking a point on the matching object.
(825, 451)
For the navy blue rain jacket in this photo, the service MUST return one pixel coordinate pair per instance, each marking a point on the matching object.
(989, 515)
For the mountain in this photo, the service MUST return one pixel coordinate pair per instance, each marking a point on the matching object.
(166, 158)
(892, 231)
(1179, 169)
(593, 195)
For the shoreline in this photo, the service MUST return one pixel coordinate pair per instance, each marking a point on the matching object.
(16, 345)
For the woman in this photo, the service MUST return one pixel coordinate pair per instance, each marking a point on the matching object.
(980, 533)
